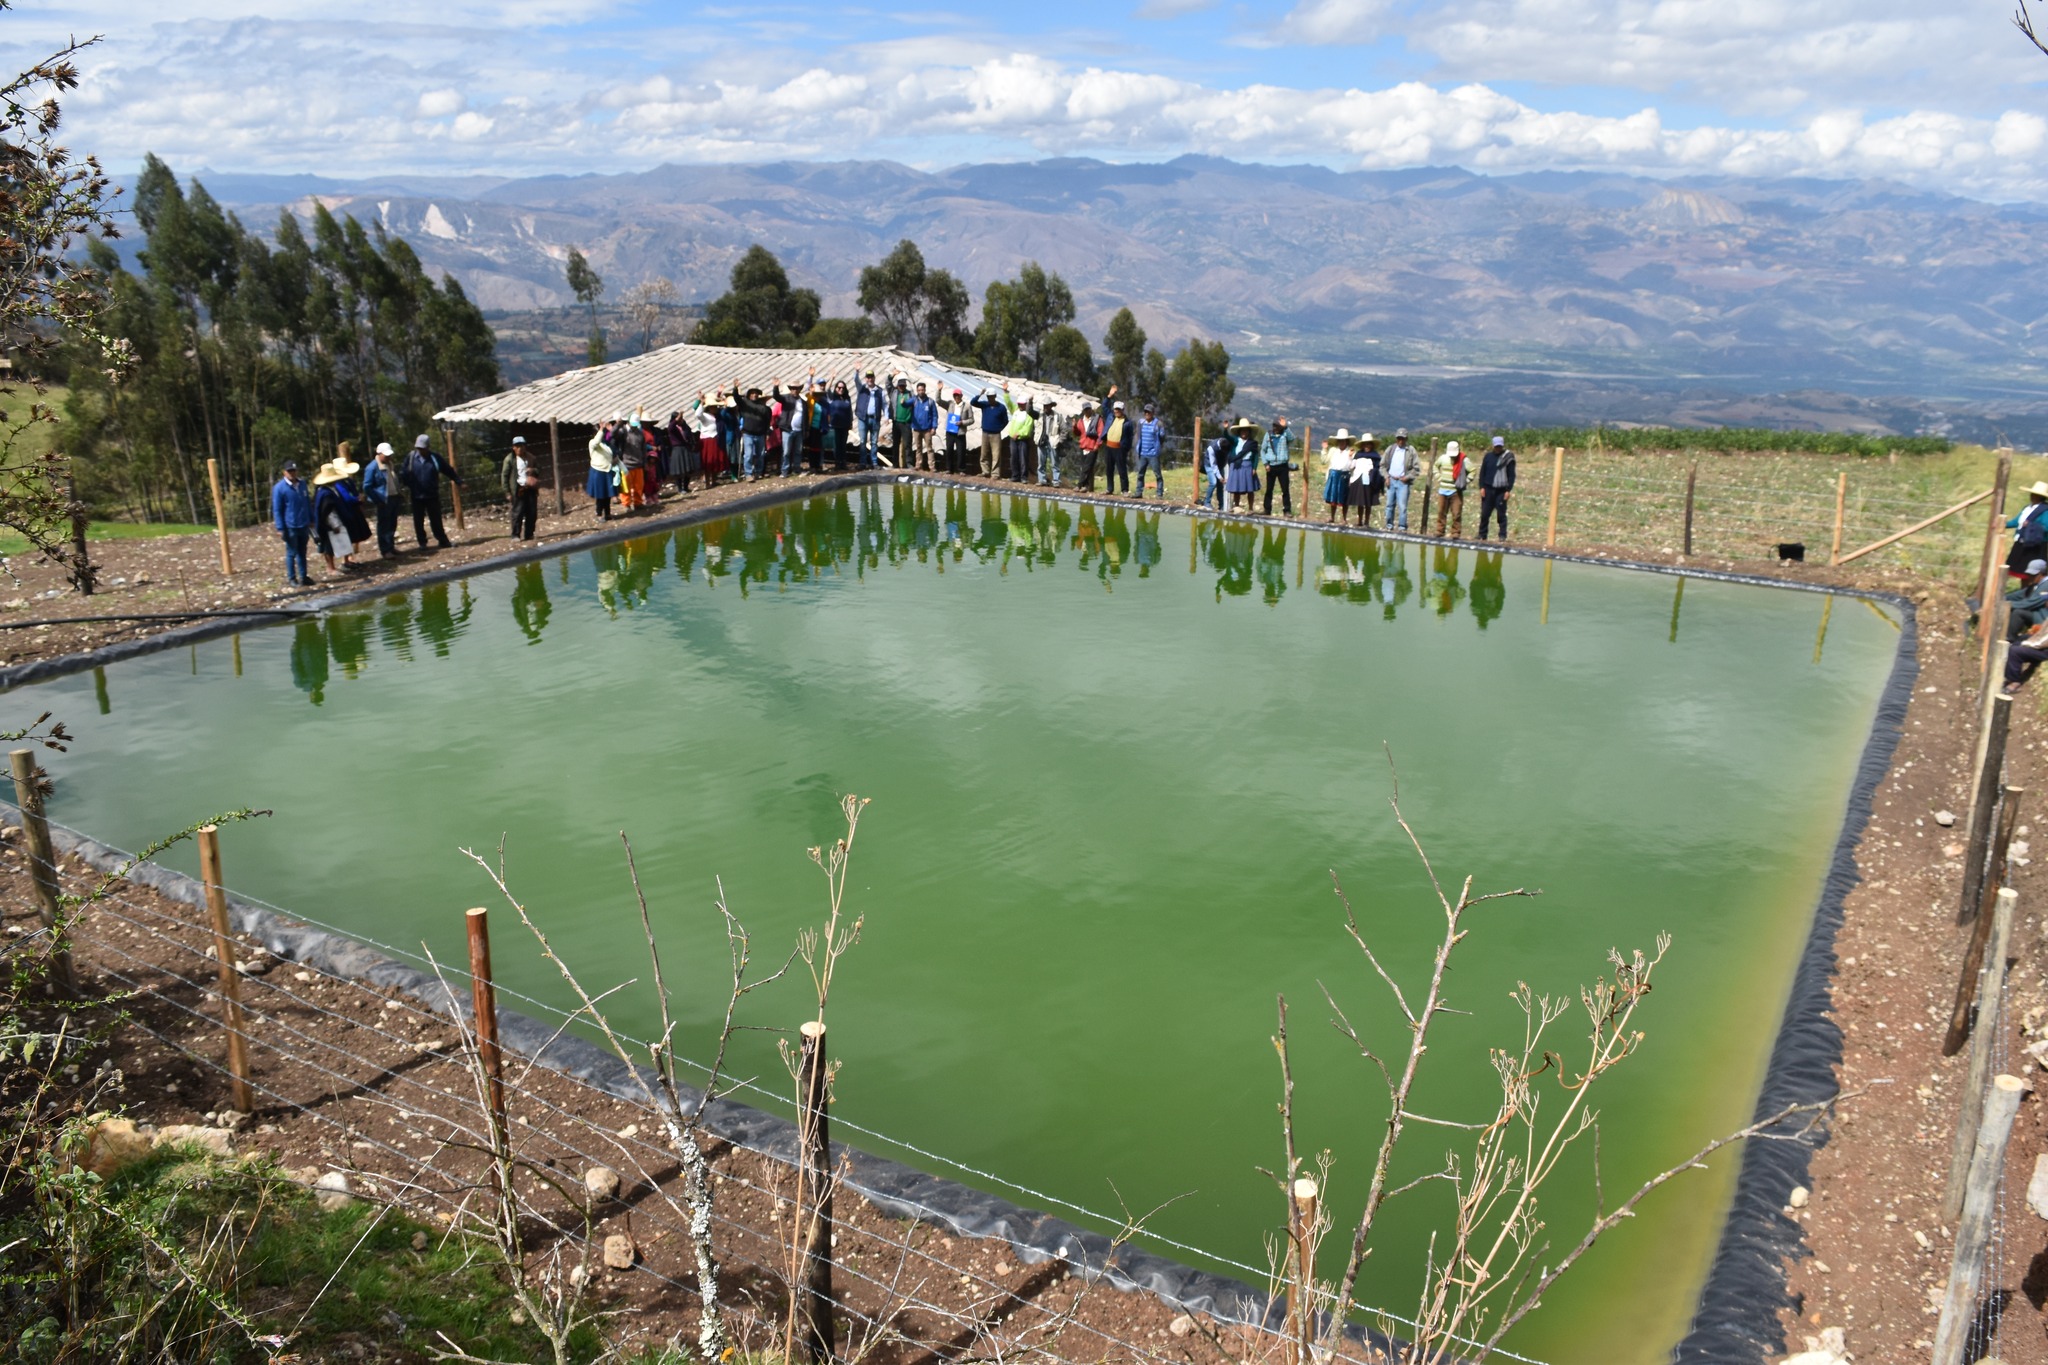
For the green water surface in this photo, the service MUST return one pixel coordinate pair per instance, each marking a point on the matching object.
(1114, 758)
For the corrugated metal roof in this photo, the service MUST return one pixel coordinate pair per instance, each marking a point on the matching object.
(669, 379)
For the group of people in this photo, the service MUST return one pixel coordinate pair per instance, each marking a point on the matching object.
(1358, 476)
(327, 513)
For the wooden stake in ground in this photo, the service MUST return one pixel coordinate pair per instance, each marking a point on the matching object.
(42, 864)
(1989, 569)
(1980, 933)
(454, 485)
(1556, 487)
(1195, 468)
(1990, 767)
(555, 454)
(220, 516)
(1983, 1042)
(814, 1324)
(1973, 1235)
(1301, 1311)
(230, 979)
(1841, 501)
(1691, 477)
(483, 997)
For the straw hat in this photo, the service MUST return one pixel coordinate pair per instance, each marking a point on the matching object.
(328, 474)
(1343, 437)
(1246, 424)
(342, 465)
(2039, 490)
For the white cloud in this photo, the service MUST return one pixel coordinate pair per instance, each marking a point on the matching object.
(352, 98)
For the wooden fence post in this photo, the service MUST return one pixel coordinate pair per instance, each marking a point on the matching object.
(1983, 1045)
(1990, 766)
(813, 1290)
(555, 453)
(1980, 932)
(1989, 568)
(230, 978)
(220, 516)
(1301, 1311)
(1691, 476)
(1195, 482)
(1973, 1233)
(455, 488)
(42, 865)
(483, 997)
(1841, 501)
(1556, 486)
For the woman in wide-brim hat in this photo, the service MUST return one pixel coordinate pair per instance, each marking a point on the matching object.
(1367, 479)
(338, 522)
(1337, 459)
(2030, 530)
(1242, 478)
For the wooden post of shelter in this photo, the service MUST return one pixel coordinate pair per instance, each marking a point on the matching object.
(1983, 1047)
(230, 977)
(42, 866)
(1691, 477)
(220, 516)
(1979, 1211)
(1556, 487)
(483, 996)
(813, 1288)
(1990, 767)
(454, 487)
(1980, 932)
(555, 454)
(1841, 504)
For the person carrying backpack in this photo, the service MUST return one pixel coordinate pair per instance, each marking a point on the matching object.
(424, 470)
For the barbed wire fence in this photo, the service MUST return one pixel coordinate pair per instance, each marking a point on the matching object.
(382, 1081)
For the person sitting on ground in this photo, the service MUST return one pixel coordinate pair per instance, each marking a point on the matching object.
(2027, 600)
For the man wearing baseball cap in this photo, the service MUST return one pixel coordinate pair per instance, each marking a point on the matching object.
(291, 512)
(1496, 481)
(1401, 463)
(381, 487)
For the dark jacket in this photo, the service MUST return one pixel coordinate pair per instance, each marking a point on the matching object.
(1498, 461)
(424, 469)
(753, 414)
(839, 415)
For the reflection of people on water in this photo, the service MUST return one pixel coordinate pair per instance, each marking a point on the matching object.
(1489, 590)
(1443, 580)
(1273, 563)
(309, 660)
(1229, 550)
(436, 622)
(1116, 543)
(348, 641)
(1145, 543)
(530, 606)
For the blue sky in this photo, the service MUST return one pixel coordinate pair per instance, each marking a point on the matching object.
(1944, 96)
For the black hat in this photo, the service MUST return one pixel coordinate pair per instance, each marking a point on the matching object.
(291, 466)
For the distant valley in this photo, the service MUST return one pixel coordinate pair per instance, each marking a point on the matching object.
(1431, 295)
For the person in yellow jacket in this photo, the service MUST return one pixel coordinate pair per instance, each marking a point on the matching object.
(1448, 478)
(1019, 436)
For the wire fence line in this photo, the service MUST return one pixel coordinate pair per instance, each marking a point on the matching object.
(350, 1062)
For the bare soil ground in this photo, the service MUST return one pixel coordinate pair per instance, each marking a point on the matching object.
(1877, 1250)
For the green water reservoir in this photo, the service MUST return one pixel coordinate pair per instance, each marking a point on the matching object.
(1114, 757)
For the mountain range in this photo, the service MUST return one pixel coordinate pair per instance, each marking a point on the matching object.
(1390, 294)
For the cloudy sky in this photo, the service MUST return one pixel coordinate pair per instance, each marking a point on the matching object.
(1942, 94)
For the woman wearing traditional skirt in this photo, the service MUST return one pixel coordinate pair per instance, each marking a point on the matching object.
(1337, 483)
(1242, 480)
(338, 523)
(709, 418)
(1367, 479)
(686, 450)
(599, 484)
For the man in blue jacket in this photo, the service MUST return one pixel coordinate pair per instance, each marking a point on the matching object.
(424, 470)
(924, 420)
(869, 406)
(1151, 446)
(291, 512)
(995, 415)
(1278, 462)
(380, 485)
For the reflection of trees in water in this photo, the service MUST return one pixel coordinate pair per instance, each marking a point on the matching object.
(902, 525)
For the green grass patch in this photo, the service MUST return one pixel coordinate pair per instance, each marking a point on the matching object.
(12, 543)
(252, 1245)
